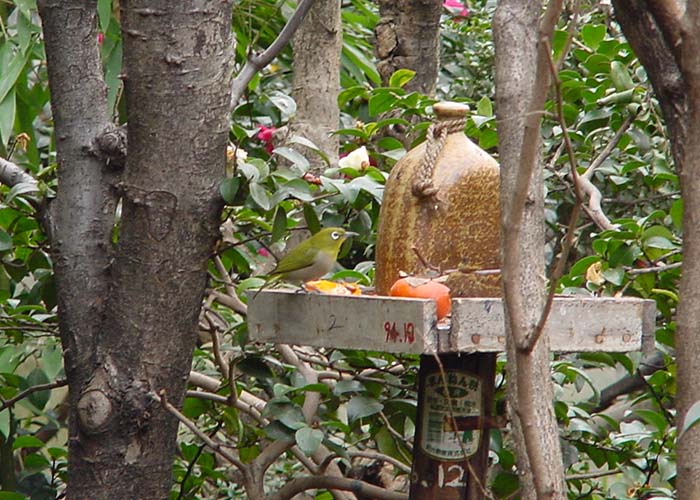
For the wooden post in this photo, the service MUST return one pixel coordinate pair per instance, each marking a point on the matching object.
(455, 403)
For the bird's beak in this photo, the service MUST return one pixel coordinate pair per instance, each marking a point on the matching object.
(350, 234)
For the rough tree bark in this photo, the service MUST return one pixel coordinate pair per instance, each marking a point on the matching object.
(408, 36)
(665, 35)
(316, 84)
(521, 85)
(128, 317)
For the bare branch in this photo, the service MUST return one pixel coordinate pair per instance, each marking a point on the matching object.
(311, 399)
(612, 144)
(31, 390)
(230, 301)
(11, 174)
(583, 181)
(531, 338)
(593, 475)
(304, 483)
(213, 445)
(594, 208)
(655, 269)
(257, 62)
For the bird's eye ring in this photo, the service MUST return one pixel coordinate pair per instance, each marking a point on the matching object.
(335, 235)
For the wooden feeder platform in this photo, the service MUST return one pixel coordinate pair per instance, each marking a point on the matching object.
(406, 325)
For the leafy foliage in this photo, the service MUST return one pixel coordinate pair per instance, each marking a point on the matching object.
(368, 398)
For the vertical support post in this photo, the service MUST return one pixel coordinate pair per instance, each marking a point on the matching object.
(455, 413)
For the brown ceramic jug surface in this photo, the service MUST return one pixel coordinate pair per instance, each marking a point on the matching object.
(454, 224)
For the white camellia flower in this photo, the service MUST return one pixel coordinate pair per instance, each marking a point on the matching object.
(358, 159)
(234, 157)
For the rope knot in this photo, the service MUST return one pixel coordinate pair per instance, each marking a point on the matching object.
(435, 140)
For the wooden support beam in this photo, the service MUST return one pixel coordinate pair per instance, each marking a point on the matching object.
(401, 325)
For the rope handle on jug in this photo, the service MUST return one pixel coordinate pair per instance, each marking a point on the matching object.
(435, 140)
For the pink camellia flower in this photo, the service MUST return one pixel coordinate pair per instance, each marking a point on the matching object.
(456, 8)
(100, 38)
(262, 251)
(265, 135)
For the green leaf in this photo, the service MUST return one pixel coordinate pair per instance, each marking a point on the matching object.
(5, 241)
(659, 242)
(293, 156)
(381, 101)
(228, 189)
(484, 107)
(580, 268)
(344, 386)
(279, 225)
(360, 60)
(401, 77)
(308, 439)
(55, 452)
(654, 418)
(27, 442)
(614, 276)
(104, 13)
(39, 398)
(260, 196)
(311, 218)
(595, 115)
(8, 108)
(488, 139)
(297, 139)
(677, 213)
(5, 423)
(11, 73)
(692, 417)
(9, 495)
(362, 406)
(292, 418)
(26, 6)
(593, 34)
(349, 94)
(21, 188)
(284, 103)
(52, 360)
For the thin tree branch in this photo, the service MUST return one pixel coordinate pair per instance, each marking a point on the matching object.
(609, 147)
(311, 399)
(654, 269)
(593, 475)
(230, 301)
(531, 341)
(356, 486)
(11, 175)
(257, 62)
(213, 445)
(31, 390)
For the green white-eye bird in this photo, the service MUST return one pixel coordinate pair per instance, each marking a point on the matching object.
(310, 259)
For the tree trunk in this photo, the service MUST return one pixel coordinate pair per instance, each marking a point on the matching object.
(519, 97)
(128, 324)
(408, 36)
(316, 83)
(667, 40)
